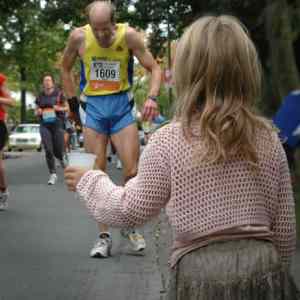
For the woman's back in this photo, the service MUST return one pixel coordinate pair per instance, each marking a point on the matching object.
(208, 200)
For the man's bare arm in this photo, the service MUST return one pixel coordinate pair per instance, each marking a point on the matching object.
(71, 52)
(137, 46)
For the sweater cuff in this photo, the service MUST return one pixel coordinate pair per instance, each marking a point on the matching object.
(85, 181)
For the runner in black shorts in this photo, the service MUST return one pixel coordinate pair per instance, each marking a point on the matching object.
(3, 134)
(5, 100)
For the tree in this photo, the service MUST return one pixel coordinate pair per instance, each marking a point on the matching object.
(14, 114)
(283, 68)
(29, 48)
(273, 25)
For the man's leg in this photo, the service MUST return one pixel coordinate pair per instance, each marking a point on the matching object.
(126, 142)
(3, 185)
(96, 143)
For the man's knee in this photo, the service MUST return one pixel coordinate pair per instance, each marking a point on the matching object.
(100, 163)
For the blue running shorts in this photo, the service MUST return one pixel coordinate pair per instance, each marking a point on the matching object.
(108, 114)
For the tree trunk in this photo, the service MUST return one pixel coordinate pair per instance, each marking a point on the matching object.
(284, 73)
(23, 94)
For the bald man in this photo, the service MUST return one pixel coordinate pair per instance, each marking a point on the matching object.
(106, 49)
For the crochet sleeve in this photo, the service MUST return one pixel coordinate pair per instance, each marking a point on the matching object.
(284, 225)
(139, 200)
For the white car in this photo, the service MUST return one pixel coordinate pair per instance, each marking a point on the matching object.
(25, 136)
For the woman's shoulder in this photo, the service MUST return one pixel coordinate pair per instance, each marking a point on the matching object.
(268, 132)
(168, 128)
(268, 140)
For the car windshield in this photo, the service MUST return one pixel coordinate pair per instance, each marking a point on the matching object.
(27, 129)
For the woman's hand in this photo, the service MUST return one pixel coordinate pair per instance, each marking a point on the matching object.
(59, 108)
(73, 176)
(39, 112)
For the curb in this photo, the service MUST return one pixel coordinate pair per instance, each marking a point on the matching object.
(10, 155)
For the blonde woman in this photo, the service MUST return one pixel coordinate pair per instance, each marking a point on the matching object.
(220, 170)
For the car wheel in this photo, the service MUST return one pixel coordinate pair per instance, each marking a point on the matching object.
(20, 150)
(39, 149)
(9, 149)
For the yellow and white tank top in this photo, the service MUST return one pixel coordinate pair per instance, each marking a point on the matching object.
(106, 69)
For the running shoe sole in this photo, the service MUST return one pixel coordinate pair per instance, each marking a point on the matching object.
(100, 255)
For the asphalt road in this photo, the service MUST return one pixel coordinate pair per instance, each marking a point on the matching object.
(46, 236)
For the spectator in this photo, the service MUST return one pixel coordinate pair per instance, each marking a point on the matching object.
(287, 119)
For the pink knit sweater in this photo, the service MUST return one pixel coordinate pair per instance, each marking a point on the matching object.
(204, 202)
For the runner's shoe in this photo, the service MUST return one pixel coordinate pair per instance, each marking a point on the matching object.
(119, 164)
(114, 159)
(3, 200)
(52, 179)
(102, 247)
(137, 241)
(65, 161)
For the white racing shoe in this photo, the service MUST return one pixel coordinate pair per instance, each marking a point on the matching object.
(52, 179)
(119, 164)
(136, 240)
(102, 247)
(4, 200)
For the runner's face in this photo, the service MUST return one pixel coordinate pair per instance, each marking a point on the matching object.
(48, 82)
(103, 31)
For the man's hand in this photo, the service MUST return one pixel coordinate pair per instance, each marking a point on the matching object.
(150, 110)
(73, 176)
(74, 104)
(74, 110)
(76, 118)
(59, 108)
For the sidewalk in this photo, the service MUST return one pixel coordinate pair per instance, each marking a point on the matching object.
(163, 239)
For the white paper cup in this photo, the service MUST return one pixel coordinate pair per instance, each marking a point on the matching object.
(81, 159)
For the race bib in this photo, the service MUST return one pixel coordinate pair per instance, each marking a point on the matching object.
(105, 75)
(49, 115)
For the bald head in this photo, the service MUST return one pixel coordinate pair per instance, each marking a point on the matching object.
(101, 10)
